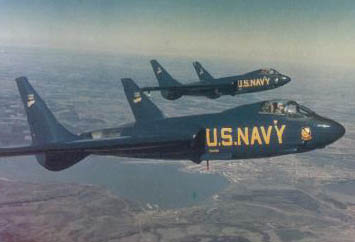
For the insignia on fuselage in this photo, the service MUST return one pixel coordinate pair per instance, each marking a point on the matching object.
(306, 134)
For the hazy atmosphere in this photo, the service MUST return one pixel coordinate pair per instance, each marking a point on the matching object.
(75, 53)
(318, 31)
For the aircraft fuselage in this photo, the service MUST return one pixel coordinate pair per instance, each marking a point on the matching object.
(240, 133)
(208, 86)
(234, 85)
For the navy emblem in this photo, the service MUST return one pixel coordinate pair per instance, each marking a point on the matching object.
(30, 100)
(306, 134)
(137, 97)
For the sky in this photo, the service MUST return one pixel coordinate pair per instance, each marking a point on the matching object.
(312, 30)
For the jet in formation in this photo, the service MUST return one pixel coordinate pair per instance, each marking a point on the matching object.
(262, 129)
(208, 86)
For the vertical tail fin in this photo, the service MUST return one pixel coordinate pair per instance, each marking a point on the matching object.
(142, 107)
(163, 77)
(202, 74)
(165, 80)
(43, 125)
(45, 129)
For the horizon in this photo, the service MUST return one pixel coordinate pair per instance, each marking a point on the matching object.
(317, 32)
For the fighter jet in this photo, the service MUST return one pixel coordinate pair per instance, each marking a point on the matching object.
(255, 81)
(262, 129)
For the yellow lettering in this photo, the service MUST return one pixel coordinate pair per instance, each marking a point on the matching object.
(243, 136)
(267, 135)
(252, 83)
(260, 82)
(246, 83)
(280, 132)
(255, 136)
(226, 134)
(240, 83)
(257, 82)
(208, 138)
(267, 80)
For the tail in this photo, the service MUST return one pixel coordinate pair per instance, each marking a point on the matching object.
(202, 74)
(165, 80)
(142, 107)
(45, 129)
(163, 77)
(43, 125)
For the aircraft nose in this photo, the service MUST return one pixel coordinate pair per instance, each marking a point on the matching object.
(330, 131)
(285, 79)
(338, 130)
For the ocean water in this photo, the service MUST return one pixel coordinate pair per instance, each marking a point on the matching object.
(160, 185)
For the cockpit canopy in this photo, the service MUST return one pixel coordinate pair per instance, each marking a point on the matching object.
(285, 107)
(269, 71)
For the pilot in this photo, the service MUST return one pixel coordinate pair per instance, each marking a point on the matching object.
(274, 108)
(268, 108)
(290, 109)
(265, 107)
(280, 108)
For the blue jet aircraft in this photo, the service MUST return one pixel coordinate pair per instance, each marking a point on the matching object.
(255, 81)
(262, 129)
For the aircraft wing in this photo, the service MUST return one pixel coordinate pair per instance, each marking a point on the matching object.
(186, 87)
(124, 143)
